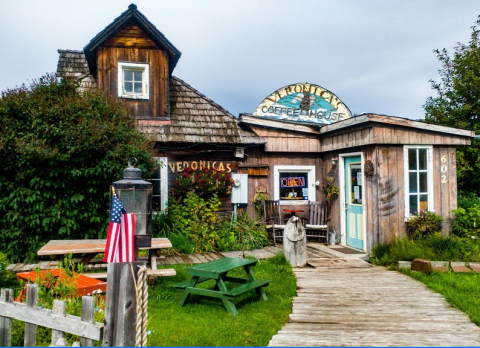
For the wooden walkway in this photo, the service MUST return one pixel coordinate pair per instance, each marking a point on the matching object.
(344, 301)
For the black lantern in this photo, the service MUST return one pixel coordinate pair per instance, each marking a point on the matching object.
(136, 196)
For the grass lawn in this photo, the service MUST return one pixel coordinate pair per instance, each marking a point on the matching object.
(205, 322)
(462, 290)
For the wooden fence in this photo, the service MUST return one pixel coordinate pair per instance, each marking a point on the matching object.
(55, 319)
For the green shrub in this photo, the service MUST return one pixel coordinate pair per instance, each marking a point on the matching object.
(424, 224)
(466, 200)
(60, 150)
(466, 222)
(6, 277)
(241, 234)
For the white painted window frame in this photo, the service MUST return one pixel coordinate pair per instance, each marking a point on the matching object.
(294, 169)
(407, 177)
(163, 163)
(145, 79)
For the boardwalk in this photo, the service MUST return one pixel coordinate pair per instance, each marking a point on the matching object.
(344, 301)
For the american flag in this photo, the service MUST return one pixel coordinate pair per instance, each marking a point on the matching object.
(119, 246)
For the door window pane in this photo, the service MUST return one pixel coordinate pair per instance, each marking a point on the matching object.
(423, 182)
(355, 183)
(413, 205)
(423, 202)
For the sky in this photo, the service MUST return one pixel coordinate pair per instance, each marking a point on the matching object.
(375, 55)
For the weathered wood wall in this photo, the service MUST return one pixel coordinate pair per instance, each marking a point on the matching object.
(384, 203)
(287, 141)
(257, 156)
(107, 76)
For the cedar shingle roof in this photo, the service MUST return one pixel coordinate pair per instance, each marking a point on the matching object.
(194, 117)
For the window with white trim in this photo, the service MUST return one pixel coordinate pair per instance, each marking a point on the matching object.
(159, 180)
(418, 179)
(133, 80)
(294, 184)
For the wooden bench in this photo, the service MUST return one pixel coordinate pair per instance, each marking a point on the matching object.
(218, 270)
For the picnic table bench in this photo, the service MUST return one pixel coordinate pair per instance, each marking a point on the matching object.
(218, 271)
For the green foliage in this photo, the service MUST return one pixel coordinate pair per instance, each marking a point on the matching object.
(466, 222)
(424, 224)
(6, 277)
(457, 103)
(466, 200)
(241, 234)
(329, 189)
(197, 219)
(208, 322)
(193, 225)
(60, 150)
(435, 247)
(259, 203)
(205, 182)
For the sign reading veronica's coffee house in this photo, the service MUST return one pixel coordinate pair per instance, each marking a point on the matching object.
(303, 102)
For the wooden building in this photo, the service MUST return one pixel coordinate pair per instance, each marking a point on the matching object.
(386, 168)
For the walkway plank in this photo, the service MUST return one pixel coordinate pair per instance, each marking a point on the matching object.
(348, 302)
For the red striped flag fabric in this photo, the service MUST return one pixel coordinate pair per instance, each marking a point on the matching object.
(119, 247)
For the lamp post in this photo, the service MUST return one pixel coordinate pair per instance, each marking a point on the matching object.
(121, 304)
(136, 196)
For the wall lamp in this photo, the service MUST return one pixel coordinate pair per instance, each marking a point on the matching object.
(334, 161)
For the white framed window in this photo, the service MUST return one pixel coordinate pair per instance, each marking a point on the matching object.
(133, 80)
(418, 164)
(159, 179)
(294, 184)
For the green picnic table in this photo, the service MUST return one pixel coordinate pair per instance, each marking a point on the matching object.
(218, 271)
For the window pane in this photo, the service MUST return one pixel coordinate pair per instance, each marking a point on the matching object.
(412, 182)
(423, 182)
(138, 75)
(127, 75)
(413, 205)
(355, 184)
(423, 202)
(128, 87)
(422, 159)
(293, 185)
(412, 159)
(138, 87)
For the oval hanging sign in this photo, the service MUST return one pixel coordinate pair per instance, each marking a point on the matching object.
(303, 102)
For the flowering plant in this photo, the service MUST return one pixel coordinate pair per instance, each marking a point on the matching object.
(328, 188)
(205, 182)
(259, 202)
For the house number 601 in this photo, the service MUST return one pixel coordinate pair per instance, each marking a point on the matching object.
(444, 169)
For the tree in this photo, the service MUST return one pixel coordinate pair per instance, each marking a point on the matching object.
(60, 150)
(457, 104)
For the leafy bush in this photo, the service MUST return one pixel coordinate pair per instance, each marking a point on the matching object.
(241, 234)
(424, 224)
(466, 222)
(205, 182)
(193, 225)
(466, 200)
(60, 150)
(6, 277)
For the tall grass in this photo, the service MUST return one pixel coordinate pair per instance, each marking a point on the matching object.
(435, 247)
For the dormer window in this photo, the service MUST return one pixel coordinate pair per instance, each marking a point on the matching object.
(133, 80)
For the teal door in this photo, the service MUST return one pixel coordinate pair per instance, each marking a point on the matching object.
(354, 202)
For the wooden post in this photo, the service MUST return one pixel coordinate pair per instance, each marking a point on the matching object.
(121, 305)
(6, 323)
(88, 315)
(31, 329)
(58, 337)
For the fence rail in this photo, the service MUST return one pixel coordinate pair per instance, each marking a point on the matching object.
(55, 319)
